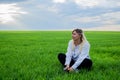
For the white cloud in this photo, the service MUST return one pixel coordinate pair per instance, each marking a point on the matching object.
(59, 1)
(106, 18)
(110, 3)
(8, 12)
(14, 26)
(84, 4)
(104, 28)
(87, 19)
(97, 3)
(52, 8)
(87, 3)
(110, 18)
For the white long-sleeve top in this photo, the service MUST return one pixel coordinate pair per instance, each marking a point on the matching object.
(76, 54)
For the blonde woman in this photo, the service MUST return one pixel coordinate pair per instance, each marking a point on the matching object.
(77, 55)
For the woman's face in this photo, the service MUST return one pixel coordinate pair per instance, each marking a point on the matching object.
(75, 36)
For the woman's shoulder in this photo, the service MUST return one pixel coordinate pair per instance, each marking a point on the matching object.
(70, 42)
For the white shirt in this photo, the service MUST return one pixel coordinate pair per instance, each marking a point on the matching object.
(76, 54)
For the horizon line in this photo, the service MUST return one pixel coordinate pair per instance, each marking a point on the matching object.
(53, 30)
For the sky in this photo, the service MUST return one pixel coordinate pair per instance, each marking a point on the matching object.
(60, 14)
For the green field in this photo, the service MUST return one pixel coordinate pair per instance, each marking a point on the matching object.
(32, 55)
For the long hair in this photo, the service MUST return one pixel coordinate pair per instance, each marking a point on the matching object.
(82, 38)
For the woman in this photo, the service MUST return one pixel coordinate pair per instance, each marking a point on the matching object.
(77, 55)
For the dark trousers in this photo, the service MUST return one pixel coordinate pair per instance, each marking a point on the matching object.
(86, 63)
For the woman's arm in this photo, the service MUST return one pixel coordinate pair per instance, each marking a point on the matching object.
(84, 53)
(69, 53)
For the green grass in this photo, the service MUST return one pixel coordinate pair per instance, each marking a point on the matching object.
(32, 55)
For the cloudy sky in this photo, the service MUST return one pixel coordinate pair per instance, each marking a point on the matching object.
(59, 14)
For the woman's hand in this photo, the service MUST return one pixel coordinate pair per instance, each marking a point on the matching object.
(66, 68)
(70, 69)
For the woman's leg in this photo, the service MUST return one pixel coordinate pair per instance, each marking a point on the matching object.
(87, 64)
(62, 57)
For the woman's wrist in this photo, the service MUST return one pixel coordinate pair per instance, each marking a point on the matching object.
(71, 69)
(66, 67)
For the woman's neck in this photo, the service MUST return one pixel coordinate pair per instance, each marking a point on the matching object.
(77, 42)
